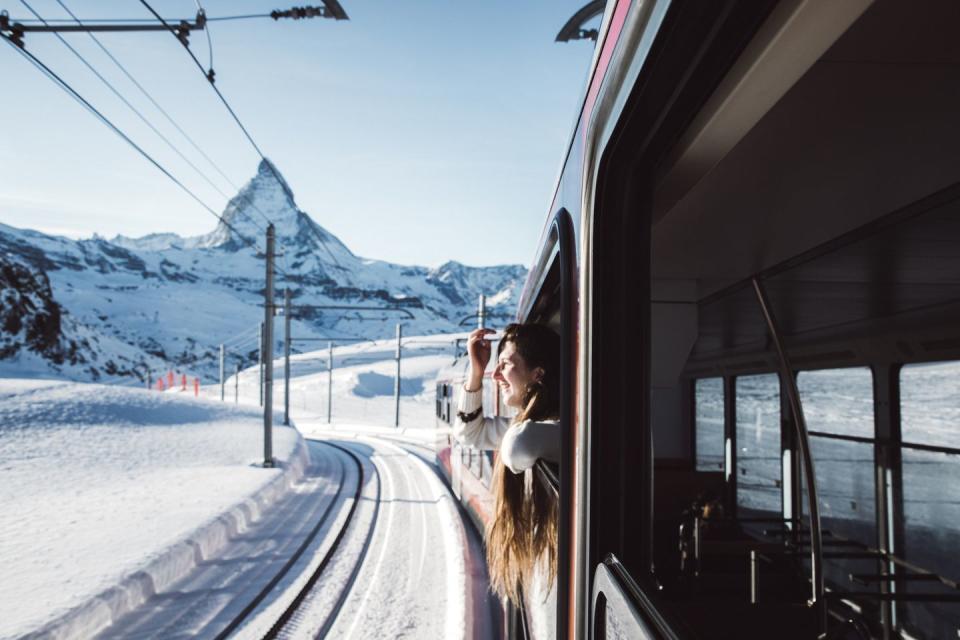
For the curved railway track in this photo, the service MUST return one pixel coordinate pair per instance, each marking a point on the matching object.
(369, 543)
(287, 623)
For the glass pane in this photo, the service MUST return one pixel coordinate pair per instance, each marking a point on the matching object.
(838, 401)
(931, 506)
(930, 403)
(845, 486)
(709, 424)
(758, 443)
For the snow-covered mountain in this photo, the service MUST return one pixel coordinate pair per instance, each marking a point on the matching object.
(97, 308)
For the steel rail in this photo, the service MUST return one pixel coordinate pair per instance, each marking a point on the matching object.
(269, 587)
(301, 596)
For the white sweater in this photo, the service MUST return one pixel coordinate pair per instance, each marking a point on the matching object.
(520, 444)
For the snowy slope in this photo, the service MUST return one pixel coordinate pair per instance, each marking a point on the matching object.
(163, 301)
(104, 480)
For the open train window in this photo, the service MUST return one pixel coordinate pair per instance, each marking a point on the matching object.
(758, 445)
(930, 409)
(708, 399)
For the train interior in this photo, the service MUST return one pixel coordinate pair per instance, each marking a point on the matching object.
(837, 212)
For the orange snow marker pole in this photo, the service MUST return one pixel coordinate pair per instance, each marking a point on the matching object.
(196, 387)
(183, 381)
(170, 379)
(160, 384)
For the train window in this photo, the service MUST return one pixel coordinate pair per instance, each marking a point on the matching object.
(708, 397)
(838, 408)
(930, 410)
(930, 403)
(838, 401)
(758, 443)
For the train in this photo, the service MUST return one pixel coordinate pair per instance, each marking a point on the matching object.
(752, 256)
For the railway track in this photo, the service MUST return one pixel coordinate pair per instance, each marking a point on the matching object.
(373, 547)
(290, 622)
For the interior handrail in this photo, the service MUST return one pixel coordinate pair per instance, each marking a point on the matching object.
(803, 444)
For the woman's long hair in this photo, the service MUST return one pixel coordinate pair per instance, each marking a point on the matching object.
(524, 524)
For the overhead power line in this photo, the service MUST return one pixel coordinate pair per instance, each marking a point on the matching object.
(136, 111)
(295, 13)
(170, 119)
(106, 121)
(236, 119)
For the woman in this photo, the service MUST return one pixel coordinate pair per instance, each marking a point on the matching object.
(523, 531)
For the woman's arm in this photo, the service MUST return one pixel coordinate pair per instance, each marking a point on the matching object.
(528, 441)
(471, 427)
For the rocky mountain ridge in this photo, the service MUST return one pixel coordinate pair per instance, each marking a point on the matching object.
(126, 307)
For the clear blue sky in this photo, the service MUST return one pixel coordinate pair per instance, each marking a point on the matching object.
(417, 132)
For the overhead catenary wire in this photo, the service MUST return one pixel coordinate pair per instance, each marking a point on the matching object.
(168, 117)
(248, 16)
(237, 120)
(136, 111)
(56, 79)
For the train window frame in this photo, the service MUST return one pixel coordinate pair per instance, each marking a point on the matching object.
(902, 537)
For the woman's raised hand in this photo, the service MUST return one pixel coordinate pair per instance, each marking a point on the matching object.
(478, 346)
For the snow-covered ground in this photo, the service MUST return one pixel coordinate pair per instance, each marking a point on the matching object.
(363, 381)
(98, 481)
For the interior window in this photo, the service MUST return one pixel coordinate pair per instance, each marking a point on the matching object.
(930, 403)
(758, 444)
(708, 397)
(930, 410)
(838, 408)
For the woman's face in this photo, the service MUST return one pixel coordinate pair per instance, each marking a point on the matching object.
(513, 376)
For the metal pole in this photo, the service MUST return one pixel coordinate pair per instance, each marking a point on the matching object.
(223, 380)
(286, 356)
(789, 382)
(260, 359)
(236, 386)
(482, 312)
(329, 380)
(268, 355)
(396, 382)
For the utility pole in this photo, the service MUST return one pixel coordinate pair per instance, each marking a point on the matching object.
(329, 380)
(260, 359)
(223, 380)
(236, 386)
(396, 383)
(482, 312)
(286, 356)
(268, 354)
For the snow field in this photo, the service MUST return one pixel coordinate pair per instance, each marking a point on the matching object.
(118, 493)
(114, 493)
(363, 382)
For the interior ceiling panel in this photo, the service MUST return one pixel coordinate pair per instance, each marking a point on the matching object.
(871, 128)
